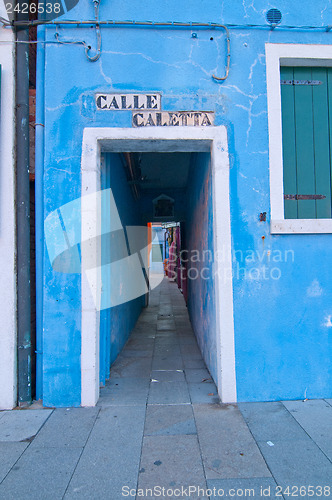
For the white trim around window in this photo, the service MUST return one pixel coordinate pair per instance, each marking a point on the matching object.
(280, 54)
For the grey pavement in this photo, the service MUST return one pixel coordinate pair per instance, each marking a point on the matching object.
(160, 431)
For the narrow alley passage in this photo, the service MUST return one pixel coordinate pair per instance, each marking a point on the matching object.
(159, 424)
(161, 363)
(159, 414)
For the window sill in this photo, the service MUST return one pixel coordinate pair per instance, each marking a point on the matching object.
(301, 226)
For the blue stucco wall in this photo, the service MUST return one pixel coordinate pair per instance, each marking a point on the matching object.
(199, 243)
(283, 327)
(122, 317)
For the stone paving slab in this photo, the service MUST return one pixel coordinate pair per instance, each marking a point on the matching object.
(145, 324)
(185, 334)
(165, 311)
(92, 453)
(147, 315)
(190, 352)
(187, 340)
(194, 363)
(197, 375)
(228, 448)
(167, 350)
(138, 353)
(168, 362)
(299, 463)
(131, 367)
(111, 456)
(22, 425)
(203, 392)
(139, 345)
(183, 320)
(165, 324)
(169, 420)
(166, 333)
(125, 391)
(189, 349)
(181, 314)
(180, 311)
(315, 417)
(167, 338)
(171, 462)
(40, 473)
(143, 330)
(9, 454)
(168, 392)
(166, 315)
(168, 375)
(271, 422)
(184, 328)
(143, 334)
(67, 428)
(261, 487)
(2, 413)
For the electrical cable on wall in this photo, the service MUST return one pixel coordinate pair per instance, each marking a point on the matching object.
(171, 24)
(94, 58)
(146, 24)
(69, 42)
(228, 40)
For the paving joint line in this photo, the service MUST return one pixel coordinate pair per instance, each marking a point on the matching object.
(311, 439)
(258, 447)
(25, 449)
(199, 443)
(80, 456)
(146, 407)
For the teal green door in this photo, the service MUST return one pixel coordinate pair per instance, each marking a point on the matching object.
(306, 101)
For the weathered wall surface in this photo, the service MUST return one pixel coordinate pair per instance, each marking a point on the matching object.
(124, 316)
(7, 222)
(282, 326)
(200, 282)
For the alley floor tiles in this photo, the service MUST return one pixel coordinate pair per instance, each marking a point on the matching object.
(160, 431)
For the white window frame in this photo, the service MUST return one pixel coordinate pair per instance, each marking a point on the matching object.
(280, 54)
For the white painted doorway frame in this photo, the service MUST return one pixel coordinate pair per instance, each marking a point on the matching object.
(157, 139)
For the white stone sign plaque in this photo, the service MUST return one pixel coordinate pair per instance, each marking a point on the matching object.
(173, 119)
(121, 102)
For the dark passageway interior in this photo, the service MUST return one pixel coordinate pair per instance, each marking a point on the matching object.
(153, 188)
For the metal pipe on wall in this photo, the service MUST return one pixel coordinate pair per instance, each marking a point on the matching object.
(39, 192)
(23, 216)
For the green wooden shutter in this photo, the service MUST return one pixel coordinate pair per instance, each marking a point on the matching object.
(307, 139)
(288, 141)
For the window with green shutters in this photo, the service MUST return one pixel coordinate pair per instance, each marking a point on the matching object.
(306, 103)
